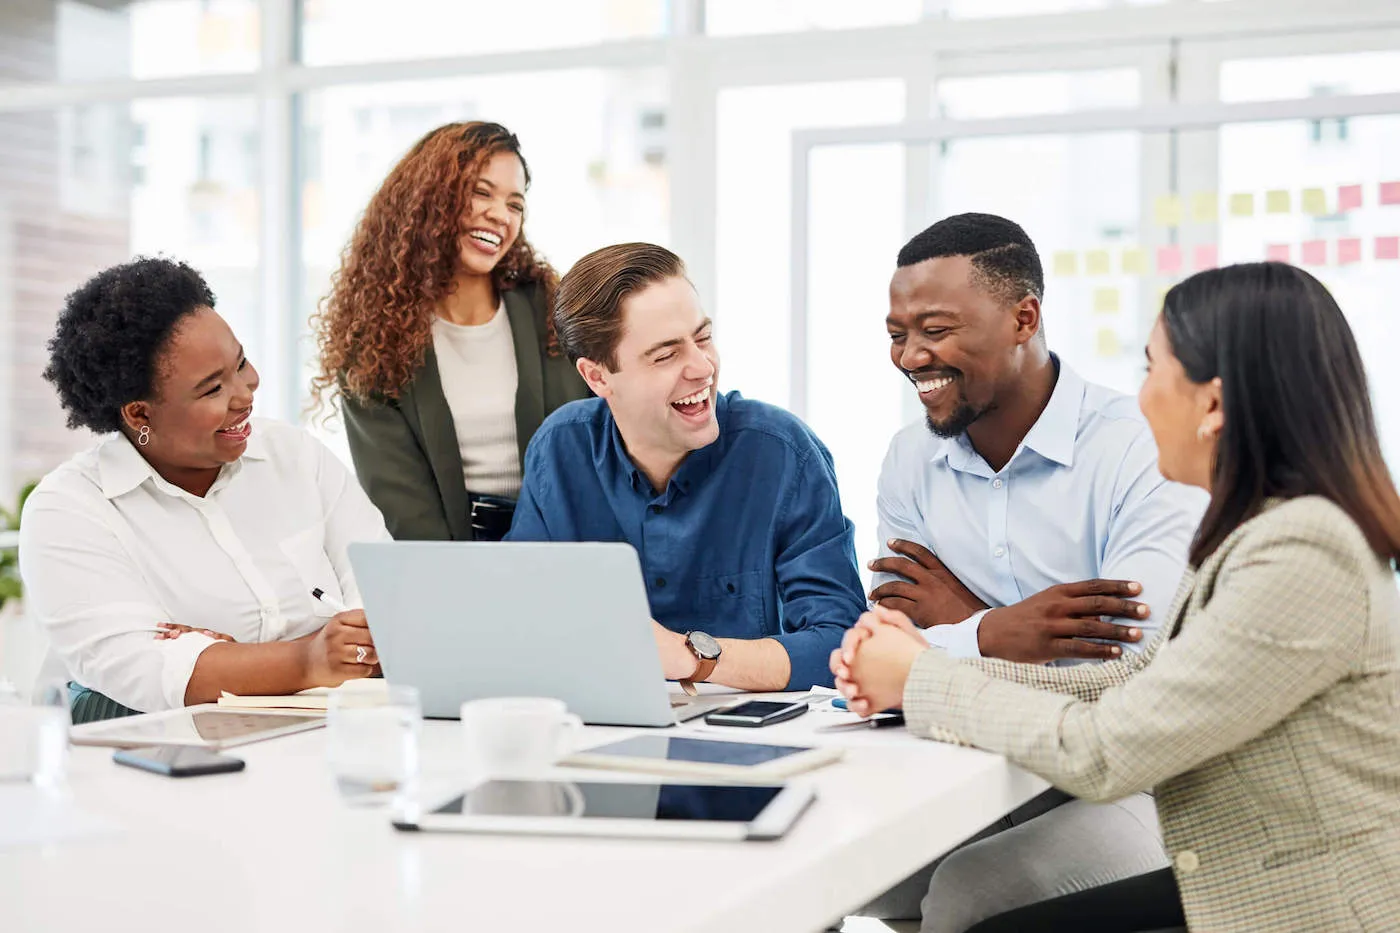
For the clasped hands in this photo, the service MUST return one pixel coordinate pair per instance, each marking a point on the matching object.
(873, 663)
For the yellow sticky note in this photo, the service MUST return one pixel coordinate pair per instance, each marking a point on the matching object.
(1106, 301)
(1065, 262)
(1096, 262)
(1167, 210)
(1278, 201)
(1134, 261)
(1242, 205)
(1205, 207)
(1314, 201)
(1161, 298)
(1106, 343)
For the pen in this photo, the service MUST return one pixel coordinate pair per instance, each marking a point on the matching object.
(330, 601)
(878, 721)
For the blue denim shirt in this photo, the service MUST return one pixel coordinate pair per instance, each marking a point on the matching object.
(747, 540)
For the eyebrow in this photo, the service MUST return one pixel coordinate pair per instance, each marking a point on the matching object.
(217, 373)
(676, 341)
(488, 183)
(924, 315)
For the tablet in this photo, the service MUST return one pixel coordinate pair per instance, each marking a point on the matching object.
(640, 810)
(680, 756)
(206, 726)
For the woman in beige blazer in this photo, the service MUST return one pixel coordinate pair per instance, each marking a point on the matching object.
(1267, 718)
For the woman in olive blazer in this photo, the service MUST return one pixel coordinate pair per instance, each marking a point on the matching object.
(439, 252)
(1265, 716)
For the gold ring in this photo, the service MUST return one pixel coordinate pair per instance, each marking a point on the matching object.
(359, 654)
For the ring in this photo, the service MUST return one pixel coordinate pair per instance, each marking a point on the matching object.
(359, 654)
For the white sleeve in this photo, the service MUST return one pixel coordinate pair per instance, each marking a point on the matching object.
(897, 508)
(92, 600)
(349, 515)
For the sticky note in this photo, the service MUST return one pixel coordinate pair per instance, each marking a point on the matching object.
(1065, 262)
(1388, 247)
(1134, 261)
(1348, 250)
(1168, 260)
(1106, 301)
(1390, 192)
(1278, 201)
(1161, 299)
(1207, 256)
(1096, 262)
(1279, 252)
(1167, 210)
(1315, 253)
(1348, 198)
(1314, 201)
(1106, 342)
(1205, 207)
(1242, 205)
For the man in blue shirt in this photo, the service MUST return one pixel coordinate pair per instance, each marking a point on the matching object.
(1025, 508)
(731, 504)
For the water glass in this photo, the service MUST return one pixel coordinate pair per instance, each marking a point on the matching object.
(34, 737)
(372, 742)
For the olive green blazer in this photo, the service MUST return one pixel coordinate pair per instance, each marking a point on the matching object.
(405, 449)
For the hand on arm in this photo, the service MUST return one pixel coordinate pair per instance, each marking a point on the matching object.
(1054, 623)
(928, 592)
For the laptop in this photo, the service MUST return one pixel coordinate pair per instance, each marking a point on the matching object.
(466, 620)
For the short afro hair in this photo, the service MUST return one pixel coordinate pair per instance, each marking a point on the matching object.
(111, 332)
(1004, 260)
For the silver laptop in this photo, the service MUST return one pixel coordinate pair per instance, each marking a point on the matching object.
(466, 620)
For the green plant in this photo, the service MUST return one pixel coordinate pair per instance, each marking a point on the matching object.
(10, 585)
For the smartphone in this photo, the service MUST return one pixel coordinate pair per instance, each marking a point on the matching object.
(177, 760)
(757, 713)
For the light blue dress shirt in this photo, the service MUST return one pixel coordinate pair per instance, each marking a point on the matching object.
(1080, 498)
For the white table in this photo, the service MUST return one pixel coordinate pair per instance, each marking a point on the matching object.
(274, 848)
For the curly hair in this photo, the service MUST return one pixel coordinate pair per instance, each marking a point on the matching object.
(375, 325)
(111, 334)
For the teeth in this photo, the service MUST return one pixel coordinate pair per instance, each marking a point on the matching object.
(934, 384)
(485, 237)
(695, 399)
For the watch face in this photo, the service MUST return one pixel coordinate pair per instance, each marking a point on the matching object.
(703, 645)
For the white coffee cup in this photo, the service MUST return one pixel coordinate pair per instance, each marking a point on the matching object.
(517, 737)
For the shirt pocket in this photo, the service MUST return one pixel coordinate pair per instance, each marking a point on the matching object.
(734, 603)
(306, 552)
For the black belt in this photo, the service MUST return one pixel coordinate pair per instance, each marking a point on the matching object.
(491, 516)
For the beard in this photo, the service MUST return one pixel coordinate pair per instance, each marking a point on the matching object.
(955, 424)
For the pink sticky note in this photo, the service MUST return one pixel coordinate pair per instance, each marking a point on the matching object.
(1279, 252)
(1207, 257)
(1388, 247)
(1348, 250)
(1390, 192)
(1315, 253)
(1168, 260)
(1348, 198)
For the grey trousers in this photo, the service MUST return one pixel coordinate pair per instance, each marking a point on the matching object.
(1053, 845)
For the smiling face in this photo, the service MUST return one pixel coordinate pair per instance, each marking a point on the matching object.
(202, 398)
(956, 339)
(662, 393)
(494, 214)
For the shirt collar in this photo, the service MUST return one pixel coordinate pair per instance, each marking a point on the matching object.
(689, 474)
(121, 468)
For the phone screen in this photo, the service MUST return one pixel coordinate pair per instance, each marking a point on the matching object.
(755, 708)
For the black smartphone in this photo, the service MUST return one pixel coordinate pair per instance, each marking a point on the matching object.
(177, 760)
(756, 713)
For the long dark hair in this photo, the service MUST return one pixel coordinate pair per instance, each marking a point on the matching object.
(1298, 418)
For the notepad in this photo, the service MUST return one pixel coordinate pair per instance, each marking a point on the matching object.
(313, 698)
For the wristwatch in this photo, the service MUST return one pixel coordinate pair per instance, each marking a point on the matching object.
(708, 651)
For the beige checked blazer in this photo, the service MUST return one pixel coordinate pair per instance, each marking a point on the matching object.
(1269, 726)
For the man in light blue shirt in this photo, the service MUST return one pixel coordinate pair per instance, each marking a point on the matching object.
(1022, 512)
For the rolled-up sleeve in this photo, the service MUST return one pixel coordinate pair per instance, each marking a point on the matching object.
(818, 583)
(92, 602)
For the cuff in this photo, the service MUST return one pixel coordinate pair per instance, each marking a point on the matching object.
(958, 639)
(177, 664)
(926, 694)
(809, 655)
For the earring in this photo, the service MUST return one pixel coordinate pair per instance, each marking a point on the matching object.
(1203, 433)
(144, 437)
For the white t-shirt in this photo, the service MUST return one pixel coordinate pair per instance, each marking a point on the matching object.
(108, 549)
(477, 366)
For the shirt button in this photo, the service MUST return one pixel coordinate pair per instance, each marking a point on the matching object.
(999, 552)
(1187, 861)
(660, 582)
(656, 510)
(996, 484)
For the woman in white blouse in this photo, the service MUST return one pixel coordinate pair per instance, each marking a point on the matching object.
(190, 520)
